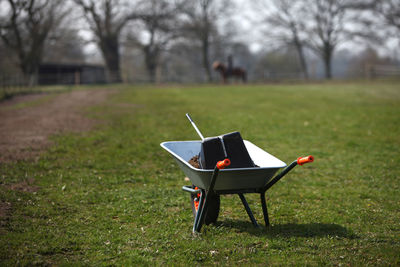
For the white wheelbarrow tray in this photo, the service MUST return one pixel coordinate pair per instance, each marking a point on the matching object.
(228, 179)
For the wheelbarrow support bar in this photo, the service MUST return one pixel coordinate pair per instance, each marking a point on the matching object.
(279, 176)
(206, 194)
(202, 210)
(299, 161)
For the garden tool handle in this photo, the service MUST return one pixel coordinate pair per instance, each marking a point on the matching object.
(194, 126)
(303, 160)
(223, 164)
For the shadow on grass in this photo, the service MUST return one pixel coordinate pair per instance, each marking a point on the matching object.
(291, 229)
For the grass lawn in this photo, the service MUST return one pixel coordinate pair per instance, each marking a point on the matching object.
(113, 196)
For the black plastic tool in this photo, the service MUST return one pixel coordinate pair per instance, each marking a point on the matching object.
(236, 151)
(214, 149)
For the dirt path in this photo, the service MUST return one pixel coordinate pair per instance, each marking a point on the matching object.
(26, 122)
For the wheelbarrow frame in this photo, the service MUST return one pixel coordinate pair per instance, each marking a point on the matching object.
(206, 194)
(207, 189)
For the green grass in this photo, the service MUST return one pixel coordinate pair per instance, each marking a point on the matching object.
(113, 196)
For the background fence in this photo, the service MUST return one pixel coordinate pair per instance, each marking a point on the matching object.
(18, 83)
(381, 71)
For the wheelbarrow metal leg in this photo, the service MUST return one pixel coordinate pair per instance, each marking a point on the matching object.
(202, 211)
(199, 210)
(248, 210)
(207, 195)
(299, 161)
(279, 176)
(269, 185)
(264, 209)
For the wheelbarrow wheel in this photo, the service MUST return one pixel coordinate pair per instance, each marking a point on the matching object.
(213, 207)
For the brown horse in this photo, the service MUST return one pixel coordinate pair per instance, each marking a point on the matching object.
(225, 72)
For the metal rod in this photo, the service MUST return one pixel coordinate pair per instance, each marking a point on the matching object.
(210, 192)
(248, 210)
(189, 189)
(243, 191)
(202, 213)
(279, 176)
(264, 209)
(199, 211)
(194, 126)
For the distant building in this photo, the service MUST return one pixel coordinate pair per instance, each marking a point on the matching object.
(56, 73)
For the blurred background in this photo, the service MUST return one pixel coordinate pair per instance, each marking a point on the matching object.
(47, 42)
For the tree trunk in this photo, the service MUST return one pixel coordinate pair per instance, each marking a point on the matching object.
(110, 50)
(303, 63)
(30, 68)
(151, 71)
(327, 61)
(206, 62)
(151, 60)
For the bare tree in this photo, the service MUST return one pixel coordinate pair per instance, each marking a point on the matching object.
(280, 63)
(380, 20)
(325, 28)
(64, 46)
(25, 27)
(201, 25)
(390, 10)
(158, 23)
(106, 20)
(329, 23)
(8, 63)
(284, 25)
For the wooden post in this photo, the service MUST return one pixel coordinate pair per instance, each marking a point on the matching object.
(77, 77)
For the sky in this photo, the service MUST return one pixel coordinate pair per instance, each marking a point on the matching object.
(250, 32)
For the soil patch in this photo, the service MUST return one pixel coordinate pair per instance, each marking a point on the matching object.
(195, 162)
(5, 211)
(5, 208)
(25, 186)
(17, 99)
(25, 131)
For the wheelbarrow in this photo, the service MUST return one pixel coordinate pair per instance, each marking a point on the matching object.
(209, 184)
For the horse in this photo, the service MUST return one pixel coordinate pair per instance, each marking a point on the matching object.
(225, 72)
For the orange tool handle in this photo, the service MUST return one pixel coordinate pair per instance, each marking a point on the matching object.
(223, 163)
(303, 160)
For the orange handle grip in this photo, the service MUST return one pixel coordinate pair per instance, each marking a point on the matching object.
(223, 164)
(303, 160)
